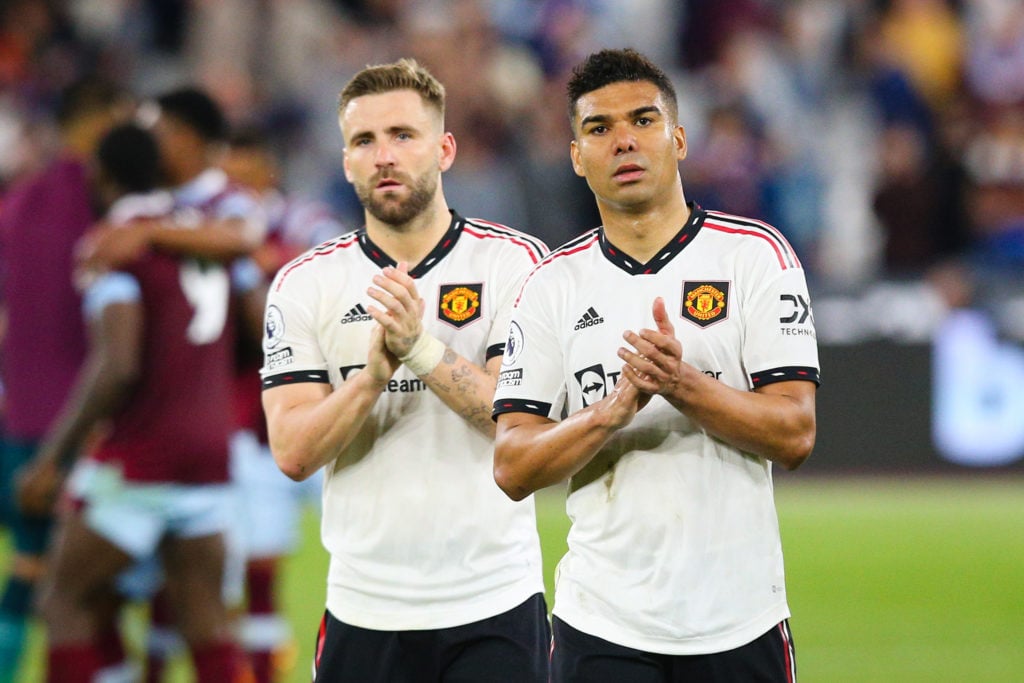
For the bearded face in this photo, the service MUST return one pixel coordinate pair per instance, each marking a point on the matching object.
(395, 152)
(402, 205)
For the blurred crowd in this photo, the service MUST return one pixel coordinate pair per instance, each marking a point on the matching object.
(884, 137)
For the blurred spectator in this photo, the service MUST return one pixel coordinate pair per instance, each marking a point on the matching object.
(926, 38)
(995, 54)
(995, 163)
(725, 169)
(907, 201)
(559, 206)
(707, 25)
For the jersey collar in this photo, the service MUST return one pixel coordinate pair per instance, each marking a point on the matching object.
(440, 250)
(667, 253)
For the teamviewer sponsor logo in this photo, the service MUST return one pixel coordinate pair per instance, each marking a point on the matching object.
(280, 358)
(358, 314)
(510, 378)
(589, 319)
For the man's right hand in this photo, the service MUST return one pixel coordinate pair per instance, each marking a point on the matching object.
(623, 402)
(380, 362)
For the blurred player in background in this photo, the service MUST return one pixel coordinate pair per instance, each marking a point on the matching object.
(41, 221)
(191, 130)
(270, 502)
(157, 378)
(381, 354)
(674, 570)
(222, 221)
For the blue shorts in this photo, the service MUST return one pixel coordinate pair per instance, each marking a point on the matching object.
(31, 535)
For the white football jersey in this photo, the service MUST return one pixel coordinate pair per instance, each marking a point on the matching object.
(420, 536)
(674, 545)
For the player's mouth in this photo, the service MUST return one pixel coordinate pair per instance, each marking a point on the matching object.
(387, 184)
(628, 173)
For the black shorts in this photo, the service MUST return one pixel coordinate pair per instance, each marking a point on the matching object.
(578, 657)
(511, 647)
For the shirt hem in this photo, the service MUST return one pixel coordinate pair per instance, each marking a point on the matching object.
(428, 616)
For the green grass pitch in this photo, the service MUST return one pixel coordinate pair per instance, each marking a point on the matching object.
(890, 581)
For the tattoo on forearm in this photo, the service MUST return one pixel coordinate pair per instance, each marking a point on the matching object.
(479, 416)
(459, 377)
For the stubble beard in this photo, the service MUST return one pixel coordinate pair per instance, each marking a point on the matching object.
(398, 212)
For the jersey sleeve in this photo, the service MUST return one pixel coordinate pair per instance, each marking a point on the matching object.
(291, 352)
(780, 342)
(531, 379)
(509, 283)
(109, 288)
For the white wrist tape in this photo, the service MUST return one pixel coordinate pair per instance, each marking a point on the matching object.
(424, 355)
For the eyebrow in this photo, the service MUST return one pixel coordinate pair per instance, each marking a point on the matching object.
(393, 130)
(636, 113)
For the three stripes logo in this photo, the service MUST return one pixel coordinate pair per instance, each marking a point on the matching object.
(589, 319)
(358, 314)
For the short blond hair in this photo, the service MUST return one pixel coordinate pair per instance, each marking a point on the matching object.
(405, 74)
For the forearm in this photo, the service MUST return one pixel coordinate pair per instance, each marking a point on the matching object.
(96, 396)
(776, 426)
(308, 435)
(533, 455)
(217, 240)
(465, 388)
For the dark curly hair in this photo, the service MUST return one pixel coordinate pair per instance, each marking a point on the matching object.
(129, 156)
(197, 110)
(614, 66)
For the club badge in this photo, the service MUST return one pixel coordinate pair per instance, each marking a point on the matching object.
(459, 305)
(705, 303)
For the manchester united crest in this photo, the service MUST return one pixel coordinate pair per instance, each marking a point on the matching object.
(459, 305)
(705, 303)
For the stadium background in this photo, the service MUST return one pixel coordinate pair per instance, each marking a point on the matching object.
(886, 138)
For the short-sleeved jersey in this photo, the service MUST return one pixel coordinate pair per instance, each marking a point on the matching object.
(44, 343)
(174, 426)
(674, 545)
(420, 536)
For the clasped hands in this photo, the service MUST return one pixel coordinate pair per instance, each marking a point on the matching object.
(653, 365)
(399, 319)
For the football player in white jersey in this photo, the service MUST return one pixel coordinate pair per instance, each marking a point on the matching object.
(674, 570)
(382, 349)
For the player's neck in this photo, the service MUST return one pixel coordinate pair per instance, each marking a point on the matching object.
(412, 241)
(643, 233)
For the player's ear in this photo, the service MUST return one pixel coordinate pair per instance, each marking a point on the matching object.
(574, 154)
(344, 164)
(448, 148)
(679, 135)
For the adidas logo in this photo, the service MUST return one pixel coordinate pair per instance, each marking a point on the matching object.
(358, 314)
(589, 319)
